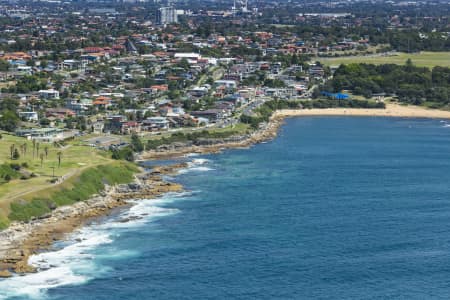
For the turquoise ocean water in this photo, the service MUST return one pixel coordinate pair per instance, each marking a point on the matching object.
(333, 208)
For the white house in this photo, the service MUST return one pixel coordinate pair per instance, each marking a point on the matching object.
(49, 94)
(188, 56)
(229, 84)
(29, 115)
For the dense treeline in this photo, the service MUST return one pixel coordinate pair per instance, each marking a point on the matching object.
(413, 41)
(409, 83)
(264, 113)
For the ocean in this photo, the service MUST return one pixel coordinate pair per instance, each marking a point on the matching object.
(333, 208)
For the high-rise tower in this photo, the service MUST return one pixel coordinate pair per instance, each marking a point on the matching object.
(240, 6)
(167, 15)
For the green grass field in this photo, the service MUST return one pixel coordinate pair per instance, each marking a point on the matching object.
(422, 59)
(79, 188)
(75, 158)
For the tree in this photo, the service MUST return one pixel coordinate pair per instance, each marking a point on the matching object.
(124, 153)
(42, 158)
(44, 122)
(409, 65)
(34, 147)
(59, 155)
(4, 65)
(9, 120)
(295, 60)
(9, 104)
(16, 154)
(184, 64)
(136, 143)
(315, 93)
(11, 150)
(46, 151)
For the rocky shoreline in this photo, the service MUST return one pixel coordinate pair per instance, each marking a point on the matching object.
(21, 240)
(266, 132)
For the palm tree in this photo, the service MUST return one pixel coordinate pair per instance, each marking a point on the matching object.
(37, 149)
(11, 150)
(59, 154)
(42, 158)
(46, 151)
(34, 147)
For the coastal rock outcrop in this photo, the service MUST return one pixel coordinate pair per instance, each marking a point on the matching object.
(266, 132)
(21, 240)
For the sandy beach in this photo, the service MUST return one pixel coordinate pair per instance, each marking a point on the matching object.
(391, 110)
(270, 130)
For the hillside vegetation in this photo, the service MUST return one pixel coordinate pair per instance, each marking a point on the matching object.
(90, 182)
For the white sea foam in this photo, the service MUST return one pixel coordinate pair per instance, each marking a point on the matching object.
(195, 169)
(34, 286)
(71, 265)
(192, 154)
(197, 165)
(75, 263)
(140, 213)
(200, 161)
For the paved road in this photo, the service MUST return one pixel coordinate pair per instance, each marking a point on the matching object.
(103, 140)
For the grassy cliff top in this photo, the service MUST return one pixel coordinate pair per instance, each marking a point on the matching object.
(75, 159)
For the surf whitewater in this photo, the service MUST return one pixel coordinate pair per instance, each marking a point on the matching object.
(74, 260)
(21, 240)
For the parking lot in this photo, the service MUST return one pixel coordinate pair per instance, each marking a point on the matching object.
(102, 141)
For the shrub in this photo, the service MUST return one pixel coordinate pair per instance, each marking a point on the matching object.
(26, 211)
(4, 223)
(123, 154)
(8, 172)
(15, 167)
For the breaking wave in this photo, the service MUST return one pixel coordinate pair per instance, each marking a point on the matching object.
(75, 261)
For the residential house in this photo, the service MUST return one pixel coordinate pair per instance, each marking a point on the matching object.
(29, 116)
(213, 115)
(155, 124)
(49, 94)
